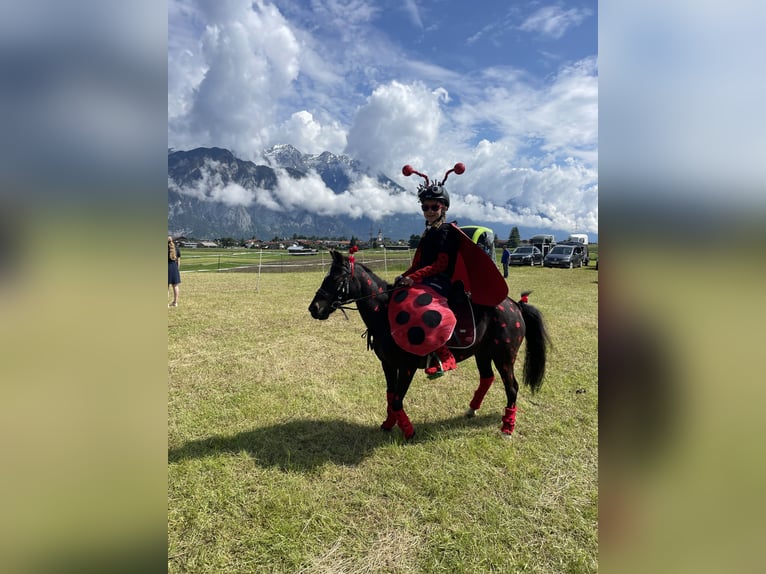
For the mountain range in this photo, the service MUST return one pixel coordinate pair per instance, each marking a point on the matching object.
(214, 194)
(210, 194)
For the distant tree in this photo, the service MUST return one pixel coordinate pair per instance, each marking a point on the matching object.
(227, 242)
(514, 239)
(414, 241)
(354, 241)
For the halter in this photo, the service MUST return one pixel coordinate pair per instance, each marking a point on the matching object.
(340, 299)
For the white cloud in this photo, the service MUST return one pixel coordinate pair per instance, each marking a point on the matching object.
(412, 10)
(364, 197)
(398, 124)
(567, 115)
(244, 76)
(224, 86)
(561, 196)
(305, 133)
(232, 194)
(554, 21)
(211, 187)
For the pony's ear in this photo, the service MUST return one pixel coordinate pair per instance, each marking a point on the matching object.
(337, 257)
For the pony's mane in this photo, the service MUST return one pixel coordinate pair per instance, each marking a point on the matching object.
(381, 282)
(346, 267)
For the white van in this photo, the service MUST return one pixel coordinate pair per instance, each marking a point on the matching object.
(579, 238)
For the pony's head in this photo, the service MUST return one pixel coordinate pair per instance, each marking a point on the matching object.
(334, 290)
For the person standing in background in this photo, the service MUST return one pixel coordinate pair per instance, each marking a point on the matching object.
(174, 270)
(505, 259)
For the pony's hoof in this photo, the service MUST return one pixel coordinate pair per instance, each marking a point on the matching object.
(383, 427)
(409, 438)
(470, 413)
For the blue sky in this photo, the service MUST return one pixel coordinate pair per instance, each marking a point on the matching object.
(509, 89)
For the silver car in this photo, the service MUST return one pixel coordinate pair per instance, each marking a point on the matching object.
(564, 256)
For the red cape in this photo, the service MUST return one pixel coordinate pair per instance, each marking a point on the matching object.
(479, 274)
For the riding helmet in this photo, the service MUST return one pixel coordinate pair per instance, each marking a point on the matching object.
(433, 191)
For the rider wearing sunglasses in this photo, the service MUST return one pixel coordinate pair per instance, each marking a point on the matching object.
(434, 262)
(447, 270)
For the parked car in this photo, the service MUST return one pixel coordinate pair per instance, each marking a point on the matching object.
(579, 247)
(526, 255)
(565, 256)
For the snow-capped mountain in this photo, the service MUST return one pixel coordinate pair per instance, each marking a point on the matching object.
(212, 193)
(337, 171)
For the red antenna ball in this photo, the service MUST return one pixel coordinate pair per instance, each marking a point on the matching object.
(459, 168)
(407, 170)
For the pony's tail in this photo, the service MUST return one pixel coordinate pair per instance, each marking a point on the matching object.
(538, 341)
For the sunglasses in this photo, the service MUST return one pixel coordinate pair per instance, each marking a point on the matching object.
(434, 207)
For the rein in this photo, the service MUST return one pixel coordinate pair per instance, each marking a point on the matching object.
(347, 304)
(341, 301)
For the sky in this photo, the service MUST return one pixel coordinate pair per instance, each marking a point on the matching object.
(508, 89)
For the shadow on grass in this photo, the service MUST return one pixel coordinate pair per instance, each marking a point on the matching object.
(306, 444)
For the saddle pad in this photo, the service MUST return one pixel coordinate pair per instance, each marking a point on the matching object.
(464, 335)
(420, 319)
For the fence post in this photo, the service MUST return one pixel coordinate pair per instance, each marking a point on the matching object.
(260, 264)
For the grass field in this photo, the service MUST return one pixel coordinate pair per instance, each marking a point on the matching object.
(276, 462)
(239, 259)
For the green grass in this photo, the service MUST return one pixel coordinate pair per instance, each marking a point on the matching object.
(276, 462)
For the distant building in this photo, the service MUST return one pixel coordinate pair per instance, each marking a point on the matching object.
(191, 244)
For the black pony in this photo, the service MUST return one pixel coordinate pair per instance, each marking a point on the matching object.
(499, 332)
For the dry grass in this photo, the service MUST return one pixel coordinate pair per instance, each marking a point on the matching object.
(276, 463)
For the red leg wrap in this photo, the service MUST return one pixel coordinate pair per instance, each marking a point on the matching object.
(390, 421)
(509, 420)
(404, 423)
(480, 393)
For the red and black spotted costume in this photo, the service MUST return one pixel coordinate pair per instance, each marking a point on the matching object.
(436, 255)
(421, 321)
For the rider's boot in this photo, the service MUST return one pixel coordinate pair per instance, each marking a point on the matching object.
(446, 362)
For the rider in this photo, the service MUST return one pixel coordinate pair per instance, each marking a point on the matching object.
(434, 262)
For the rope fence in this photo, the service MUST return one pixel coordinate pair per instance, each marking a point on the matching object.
(269, 262)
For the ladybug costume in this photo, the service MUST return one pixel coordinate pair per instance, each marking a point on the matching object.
(420, 318)
(421, 321)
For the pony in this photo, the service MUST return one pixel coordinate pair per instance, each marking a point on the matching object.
(499, 332)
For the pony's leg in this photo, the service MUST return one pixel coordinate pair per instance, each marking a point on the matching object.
(404, 423)
(486, 378)
(511, 386)
(397, 404)
(509, 420)
(390, 421)
(391, 377)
